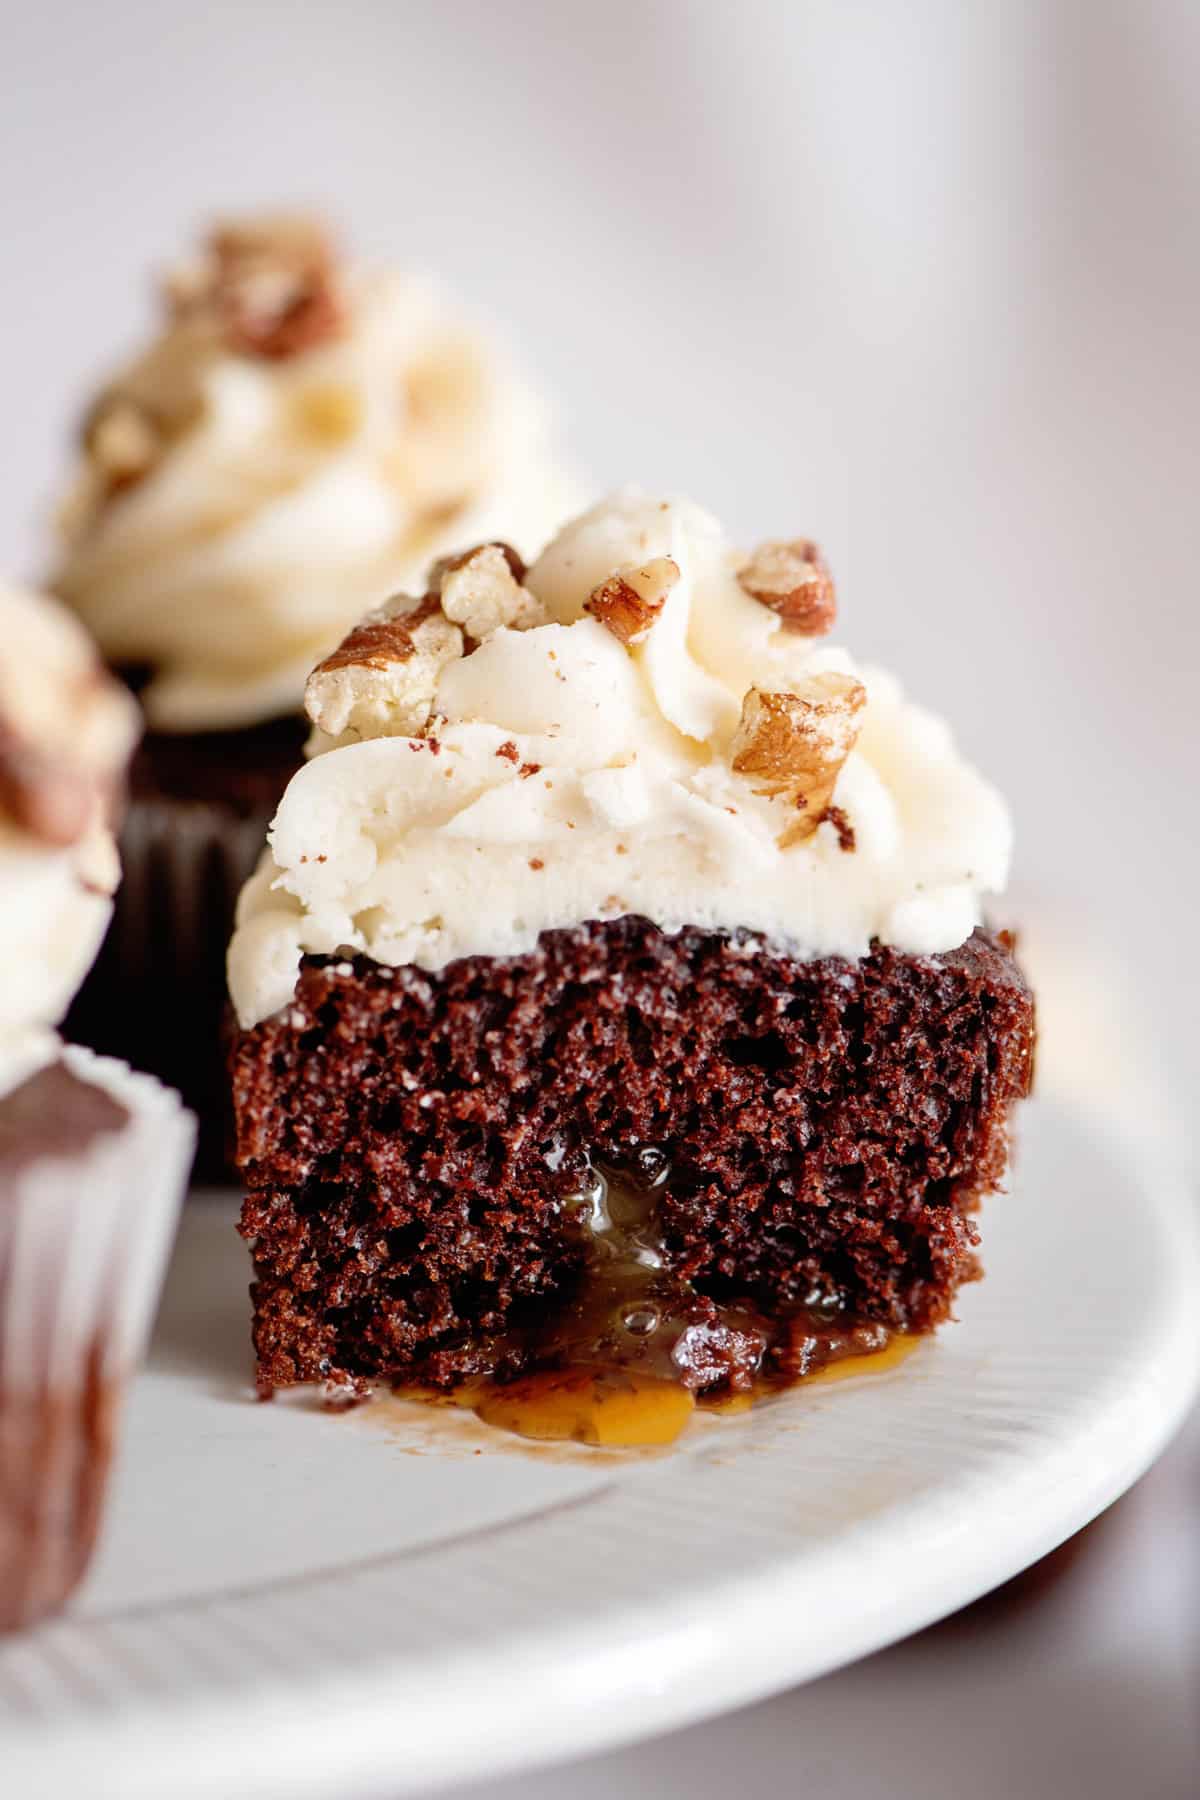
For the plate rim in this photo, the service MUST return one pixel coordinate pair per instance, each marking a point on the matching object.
(686, 1669)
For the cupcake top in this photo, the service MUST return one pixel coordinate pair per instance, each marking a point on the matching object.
(646, 721)
(300, 440)
(66, 732)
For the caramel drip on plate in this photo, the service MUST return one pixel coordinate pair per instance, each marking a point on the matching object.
(627, 1359)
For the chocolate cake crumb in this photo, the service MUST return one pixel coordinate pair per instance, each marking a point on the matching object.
(832, 1126)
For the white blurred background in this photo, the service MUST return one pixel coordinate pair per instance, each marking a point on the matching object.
(918, 278)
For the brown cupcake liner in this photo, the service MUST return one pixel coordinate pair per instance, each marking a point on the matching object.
(84, 1237)
(156, 996)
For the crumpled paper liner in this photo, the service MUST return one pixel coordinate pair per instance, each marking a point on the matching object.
(84, 1238)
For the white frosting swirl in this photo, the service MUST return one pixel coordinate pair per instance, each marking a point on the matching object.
(289, 495)
(66, 731)
(416, 854)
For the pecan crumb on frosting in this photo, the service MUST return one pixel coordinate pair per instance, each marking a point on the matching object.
(446, 565)
(270, 284)
(629, 602)
(381, 680)
(260, 287)
(792, 578)
(796, 743)
(122, 440)
(837, 817)
(481, 591)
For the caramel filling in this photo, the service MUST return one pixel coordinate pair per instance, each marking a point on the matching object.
(627, 1358)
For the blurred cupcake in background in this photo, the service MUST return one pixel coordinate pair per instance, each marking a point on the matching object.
(93, 1158)
(302, 439)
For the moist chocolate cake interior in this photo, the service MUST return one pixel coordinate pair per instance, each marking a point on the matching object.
(687, 1156)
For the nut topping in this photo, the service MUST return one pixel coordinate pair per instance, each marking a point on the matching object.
(294, 238)
(269, 283)
(381, 680)
(797, 742)
(446, 564)
(266, 287)
(843, 830)
(122, 441)
(792, 579)
(481, 591)
(629, 602)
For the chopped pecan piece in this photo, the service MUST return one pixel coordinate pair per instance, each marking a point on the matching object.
(445, 565)
(381, 681)
(122, 441)
(270, 283)
(481, 591)
(295, 238)
(631, 599)
(835, 816)
(792, 578)
(796, 743)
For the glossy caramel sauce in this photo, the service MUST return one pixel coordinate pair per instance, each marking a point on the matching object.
(626, 1360)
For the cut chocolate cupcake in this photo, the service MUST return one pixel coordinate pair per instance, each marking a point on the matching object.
(614, 1002)
(427, 1154)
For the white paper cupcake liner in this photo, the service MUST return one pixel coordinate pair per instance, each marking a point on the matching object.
(84, 1237)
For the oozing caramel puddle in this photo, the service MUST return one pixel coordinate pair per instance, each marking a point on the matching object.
(632, 1354)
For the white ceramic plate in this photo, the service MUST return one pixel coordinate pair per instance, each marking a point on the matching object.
(293, 1604)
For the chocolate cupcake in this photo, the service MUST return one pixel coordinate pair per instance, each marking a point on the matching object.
(300, 440)
(618, 1016)
(92, 1158)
